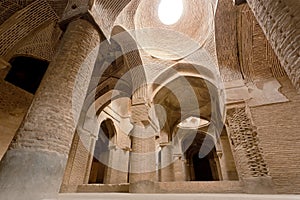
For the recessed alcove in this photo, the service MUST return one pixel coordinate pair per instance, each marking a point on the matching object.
(26, 72)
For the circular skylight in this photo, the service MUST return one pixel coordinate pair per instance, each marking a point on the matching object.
(170, 11)
(193, 123)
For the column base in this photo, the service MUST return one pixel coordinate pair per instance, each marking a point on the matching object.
(31, 175)
(142, 187)
(258, 185)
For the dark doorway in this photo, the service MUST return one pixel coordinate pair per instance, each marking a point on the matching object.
(207, 166)
(202, 169)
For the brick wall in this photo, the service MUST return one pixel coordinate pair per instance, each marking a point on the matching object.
(14, 103)
(279, 134)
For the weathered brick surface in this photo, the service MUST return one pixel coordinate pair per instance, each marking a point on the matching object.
(106, 12)
(10, 7)
(279, 134)
(227, 163)
(41, 44)
(167, 168)
(14, 103)
(16, 28)
(280, 21)
(199, 187)
(247, 151)
(142, 159)
(59, 99)
(257, 58)
(78, 162)
(226, 41)
(242, 47)
(243, 51)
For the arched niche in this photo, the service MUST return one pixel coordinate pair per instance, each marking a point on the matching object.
(107, 133)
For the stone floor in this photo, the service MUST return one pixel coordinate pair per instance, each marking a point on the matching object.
(118, 196)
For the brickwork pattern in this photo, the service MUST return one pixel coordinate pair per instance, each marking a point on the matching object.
(16, 28)
(41, 44)
(199, 187)
(226, 41)
(106, 13)
(248, 153)
(58, 5)
(242, 47)
(167, 168)
(78, 165)
(126, 17)
(59, 99)
(117, 158)
(14, 103)
(142, 159)
(279, 135)
(280, 21)
(9, 7)
(257, 58)
(75, 8)
(133, 63)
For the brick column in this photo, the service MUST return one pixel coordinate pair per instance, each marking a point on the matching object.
(167, 170)
(179, 168)
(142, 161)
(280, 21)
(34, 165)
(90, 160)
(117, 169)
(80, 160)
(250, 163)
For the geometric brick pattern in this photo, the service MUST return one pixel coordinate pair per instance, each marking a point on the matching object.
(9, 7)
(60, 96)
(106, 12)
(280, 22)
(41, 44)
(18, 26)
(248, 154)
(257, 58)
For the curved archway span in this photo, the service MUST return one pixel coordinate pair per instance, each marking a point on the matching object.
(99, 169)
(133, 61)
(205, 88)
(201, 158)
(22, 24)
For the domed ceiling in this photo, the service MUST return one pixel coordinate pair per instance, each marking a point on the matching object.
(173, 29)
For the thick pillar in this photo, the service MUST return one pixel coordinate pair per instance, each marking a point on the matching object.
(251, 166)
(179, 168)
(80, 160)
(167, 170)
(142, 161)
(280, 21)
(34, 165)
(223, 168)
(224, 153)
(117, 169)
(90, 160)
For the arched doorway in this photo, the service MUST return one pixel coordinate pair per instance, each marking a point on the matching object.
(204, 169)
(106, 134)
(202, 163)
